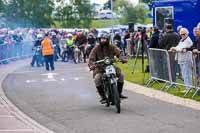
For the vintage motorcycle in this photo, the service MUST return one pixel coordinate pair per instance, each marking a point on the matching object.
(109, 79)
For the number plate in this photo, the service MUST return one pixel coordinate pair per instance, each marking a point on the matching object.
(110, 70)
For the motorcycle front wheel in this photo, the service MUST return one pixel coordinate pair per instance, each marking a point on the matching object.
(116, 98)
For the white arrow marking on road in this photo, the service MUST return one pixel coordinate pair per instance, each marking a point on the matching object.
(76, 78)
(50, 75)
(62, 79)
(49, 80)
(30, 81)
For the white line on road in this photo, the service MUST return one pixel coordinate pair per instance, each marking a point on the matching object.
(62, 79)
(31, 81)
(6, 116)
(23, 72)
(49, 80)
(16, 130)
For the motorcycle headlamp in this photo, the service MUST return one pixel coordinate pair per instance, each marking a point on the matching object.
(107, 61)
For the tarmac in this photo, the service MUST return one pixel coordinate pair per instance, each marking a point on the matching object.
(13, 120)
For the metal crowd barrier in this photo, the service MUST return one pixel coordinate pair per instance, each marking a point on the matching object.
(11, 52)
(129, 47)
(159, 66)
(174, 68)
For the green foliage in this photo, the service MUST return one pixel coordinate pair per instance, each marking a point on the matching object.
(1, 6)
(31, 13)
(130, 13)
(77, 14)
(134, 14)
(41, 13)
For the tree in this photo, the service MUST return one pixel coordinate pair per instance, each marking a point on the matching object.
(1, 5)
(149, 2)
(23, 13)
(130, 13)
(41, 12)
(76, 14)
(83, 13)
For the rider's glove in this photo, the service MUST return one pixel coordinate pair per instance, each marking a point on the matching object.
(92, 67)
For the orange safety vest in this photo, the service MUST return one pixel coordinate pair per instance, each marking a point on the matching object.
(47, 48)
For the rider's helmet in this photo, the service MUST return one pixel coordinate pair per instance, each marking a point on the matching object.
(69, 35)
(39, 36)
(90, 35)
(104, 36)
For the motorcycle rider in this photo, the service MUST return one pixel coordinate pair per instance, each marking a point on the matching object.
(105, 49)
(117, 40)
(55, 42)
(70, 47)
(37, 57)
(91, 42)
(81, 42)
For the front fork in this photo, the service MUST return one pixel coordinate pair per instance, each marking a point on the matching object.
(107, 83)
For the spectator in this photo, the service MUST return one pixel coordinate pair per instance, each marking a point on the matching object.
(155, 38)
(170, 38)
(126, 36)
(185, 58)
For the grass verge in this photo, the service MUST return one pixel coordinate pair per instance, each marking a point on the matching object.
(141, 78)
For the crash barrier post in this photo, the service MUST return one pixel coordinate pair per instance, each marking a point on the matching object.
(159, 67)
(196, 58)
(11, 52)
(129, 47)
(183, 70)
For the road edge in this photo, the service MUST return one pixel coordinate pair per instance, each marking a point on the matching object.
(10, 107)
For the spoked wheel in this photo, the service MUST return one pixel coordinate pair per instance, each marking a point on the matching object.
(107, 94)
(76, 57)
(116, 98)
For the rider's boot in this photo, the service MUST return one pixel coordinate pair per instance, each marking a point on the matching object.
(120, 88)
(102, 94)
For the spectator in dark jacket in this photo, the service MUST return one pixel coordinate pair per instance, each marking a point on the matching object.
(126, 36)
(155, 38)
(170, 38)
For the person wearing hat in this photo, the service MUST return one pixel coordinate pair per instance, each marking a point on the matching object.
(105, 49)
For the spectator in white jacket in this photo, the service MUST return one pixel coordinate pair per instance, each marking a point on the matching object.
(184, 57)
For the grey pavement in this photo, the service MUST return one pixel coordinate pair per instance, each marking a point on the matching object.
(65, 101)
(12, 120)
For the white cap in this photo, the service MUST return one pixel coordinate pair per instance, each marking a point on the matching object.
(198, 25)
(39, 36)
(69, 35)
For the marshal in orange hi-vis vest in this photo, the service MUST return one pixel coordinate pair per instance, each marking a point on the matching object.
(47, 49)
